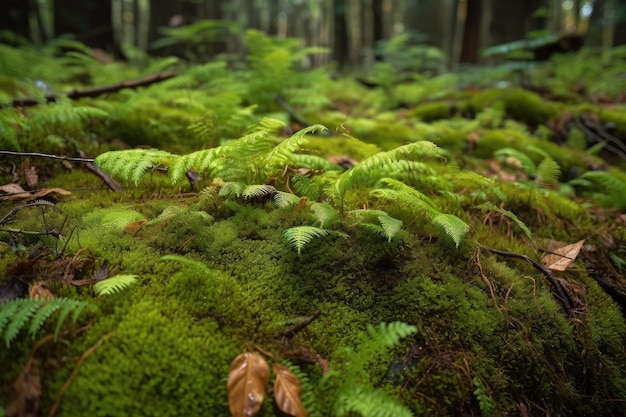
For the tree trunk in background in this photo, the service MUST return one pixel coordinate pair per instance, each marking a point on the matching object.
(472, 32)
(378, 24)
(14, 17)
(89, 21)
(340, 41)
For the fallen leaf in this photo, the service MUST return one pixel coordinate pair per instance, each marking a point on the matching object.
(39, 290)
(30, 174)
(133, 227)
(248, 376)
(562, 257)
(287, 389)
(41, 193)
(12, 188)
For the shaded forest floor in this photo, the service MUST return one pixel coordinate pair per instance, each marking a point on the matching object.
(406, 244)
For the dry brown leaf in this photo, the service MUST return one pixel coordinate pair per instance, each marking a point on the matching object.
(41, 193)
(562, 257)
(39, 290)
(134, 227)
(287, 389)
(30, 174)
(12, 188)
(248, 376)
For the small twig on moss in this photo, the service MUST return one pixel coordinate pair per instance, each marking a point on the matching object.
(67, 384)
(289, 334)
(93, 91)
(561, 293)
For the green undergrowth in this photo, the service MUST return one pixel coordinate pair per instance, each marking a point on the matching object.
(237, 224)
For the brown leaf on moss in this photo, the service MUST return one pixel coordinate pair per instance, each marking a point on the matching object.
(248, 376)
(562, 257)
(287, 389)
(12, 188)
(39, 290)
(134, 227)
(41, 193)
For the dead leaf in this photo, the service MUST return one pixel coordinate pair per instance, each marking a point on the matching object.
(41, 193)
(562, 257)
(12, 188)
(30, 174)
(134, 227)
(287, 389)
(39, 290)
(248, 376)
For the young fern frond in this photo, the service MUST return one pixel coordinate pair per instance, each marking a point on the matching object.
(548, 173)
(454, 227)
(119, 218)
(15, 314)
(280, 155)
(132, 164)
(514, 157)
(612, 187)
(324, 213)
(300, 236)
(388, 226)
(473, 181)
(359, 400)
(299, 160)
(285, 200)
(114, 284)
(488, 206)
(257, 190)
(231, 189)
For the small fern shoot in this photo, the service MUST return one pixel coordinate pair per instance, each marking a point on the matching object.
(132, 164)
(300, 236)
(488, 206)
(114, 284)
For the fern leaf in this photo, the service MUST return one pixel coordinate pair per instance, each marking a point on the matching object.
(284, 200)
(357, 399)
(454, 227)
(523, 160)
(42, 314)
(68, 306)
(132, 164)
(391, 333)
(324, 213)
(258, 190)
(114, 284)
(231, 189)
(487, 205)
(548, 172)
(20, 318)
(300, 236)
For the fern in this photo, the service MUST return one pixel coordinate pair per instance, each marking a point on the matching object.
(359, 400)
(388, 226)
(548, 173)
(284, 200)
(324, 213)
(132, 164)
(454, 227)
(300, 236)
(517, 158)
(257, 191)
(114, 284)
(488, 206)
(15, 314)
(612, 187)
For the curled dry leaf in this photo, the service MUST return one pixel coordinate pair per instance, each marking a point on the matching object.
(248, 376)
(12, 188)
(134, 227)
(287, 392)
(39, 290)
(562, 257)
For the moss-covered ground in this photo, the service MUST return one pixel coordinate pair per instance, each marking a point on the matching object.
(520, 170)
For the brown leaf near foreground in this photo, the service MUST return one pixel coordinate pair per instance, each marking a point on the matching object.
(38, 194)
(134, 227)
(12, 188)
(248, 376)
(287, 392)
(562, 257)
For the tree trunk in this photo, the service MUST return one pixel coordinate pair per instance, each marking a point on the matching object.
(340, 41)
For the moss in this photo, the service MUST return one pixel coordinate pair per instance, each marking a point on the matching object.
(153, 364)
(430, 112)
(618, 119)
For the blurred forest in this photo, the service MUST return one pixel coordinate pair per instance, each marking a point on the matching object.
(354, 31)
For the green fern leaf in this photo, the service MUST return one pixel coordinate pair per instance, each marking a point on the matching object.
(68, 306)
(42, 314)
(284, 200)
(524, 161)
(360, 400)
(548, 172)
(454, 227)
(231, 189)
(258, 190)
(324, 213)
(300, 236)
(114, 284)
(132, 164)
(20, 318)
(391, 333)
(488, 206)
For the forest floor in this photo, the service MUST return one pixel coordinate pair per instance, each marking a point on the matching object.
(406, 244)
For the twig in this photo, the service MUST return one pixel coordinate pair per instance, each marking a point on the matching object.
(289, 334)
(93, 91)
(562, 295)
(67, 384)
(45, 155)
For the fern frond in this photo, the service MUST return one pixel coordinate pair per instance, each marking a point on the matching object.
(231, 189)
(391, 333)
(257, 190)
(118, 218)
(612, 188)
(488, 206)
(284, 200)
(299, 160)
(454, 227)
(548, 172)
(132, 164)
(15, 314)
(114, 284)
(388, 226)
(524, 161)
(185, 261)
(363, 401)
(477, 182)
(324, 213)
(300, 236)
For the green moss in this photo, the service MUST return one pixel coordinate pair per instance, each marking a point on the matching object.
(153, 364)
(429, 112)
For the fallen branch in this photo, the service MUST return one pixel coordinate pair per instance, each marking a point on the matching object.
(89, 164)
(289, 334)
(561, 295)
(93, 91)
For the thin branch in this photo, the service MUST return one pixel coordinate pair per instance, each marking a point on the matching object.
(45, 155)
(93, 91)
(289, 334)
(561, 293)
